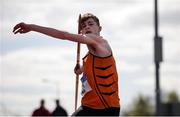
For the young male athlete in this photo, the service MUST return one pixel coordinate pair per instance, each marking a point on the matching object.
(100, 78)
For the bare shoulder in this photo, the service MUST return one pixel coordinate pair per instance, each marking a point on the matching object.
(102, 47)
(96, 38)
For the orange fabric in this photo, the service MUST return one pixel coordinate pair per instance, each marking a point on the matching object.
(102, 77)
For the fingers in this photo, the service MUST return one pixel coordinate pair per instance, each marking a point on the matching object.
(19, 31)
(77, 69)
(18, 28)
(77, 66)
(16, 31)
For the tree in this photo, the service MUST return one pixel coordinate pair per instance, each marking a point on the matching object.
(173, 97)
(140, 107)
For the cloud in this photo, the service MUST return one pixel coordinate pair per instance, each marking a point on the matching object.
(169, 13)
(24, 71)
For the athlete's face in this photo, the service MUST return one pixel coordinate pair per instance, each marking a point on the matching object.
(90, 26)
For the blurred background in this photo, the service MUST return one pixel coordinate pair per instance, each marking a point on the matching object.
(34, 66)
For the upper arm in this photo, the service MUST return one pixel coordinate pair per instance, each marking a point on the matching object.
(97, 44)
(80, 38)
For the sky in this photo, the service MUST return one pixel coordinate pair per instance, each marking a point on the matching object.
(34, 66)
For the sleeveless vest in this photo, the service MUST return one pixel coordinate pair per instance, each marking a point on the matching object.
(101, 75)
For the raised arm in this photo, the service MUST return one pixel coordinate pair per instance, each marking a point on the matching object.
(25, 28)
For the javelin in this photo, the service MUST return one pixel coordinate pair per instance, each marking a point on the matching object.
(77, 62)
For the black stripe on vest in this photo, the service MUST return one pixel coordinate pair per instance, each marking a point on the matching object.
(103, 68)
(107, 85)
(97, 88)
(105, 77)
(108, 93)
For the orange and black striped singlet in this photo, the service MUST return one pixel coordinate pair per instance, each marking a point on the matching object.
(102, 77)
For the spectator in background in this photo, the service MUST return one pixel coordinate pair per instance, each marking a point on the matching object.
(41, 111)
(59, 110)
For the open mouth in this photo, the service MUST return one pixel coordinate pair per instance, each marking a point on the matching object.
(88, 32)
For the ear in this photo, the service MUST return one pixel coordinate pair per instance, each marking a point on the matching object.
(100, 28)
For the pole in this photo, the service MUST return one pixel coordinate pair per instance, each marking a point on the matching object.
(157, 57)
(157, 90)
(78, 63)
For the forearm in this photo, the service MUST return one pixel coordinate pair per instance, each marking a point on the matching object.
(48, 31)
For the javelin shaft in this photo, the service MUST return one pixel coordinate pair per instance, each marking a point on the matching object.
(77, 62)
